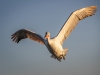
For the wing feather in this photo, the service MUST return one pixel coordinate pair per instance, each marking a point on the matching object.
(73, 20)
(25, 33)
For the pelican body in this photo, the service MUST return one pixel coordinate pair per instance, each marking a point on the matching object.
(54, 45)
(55, 48)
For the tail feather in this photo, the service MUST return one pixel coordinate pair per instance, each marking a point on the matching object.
(65, 52)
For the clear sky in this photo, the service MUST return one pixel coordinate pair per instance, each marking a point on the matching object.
(31, 58)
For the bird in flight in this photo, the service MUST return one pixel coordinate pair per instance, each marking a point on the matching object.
(54, 45)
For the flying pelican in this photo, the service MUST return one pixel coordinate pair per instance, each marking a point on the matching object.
(54, 45)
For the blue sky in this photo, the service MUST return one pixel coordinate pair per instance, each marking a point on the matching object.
(31, 58)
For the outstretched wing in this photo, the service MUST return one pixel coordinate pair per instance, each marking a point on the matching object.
(73, 20)
(25, 33)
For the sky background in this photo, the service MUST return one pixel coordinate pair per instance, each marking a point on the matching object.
(31, 58)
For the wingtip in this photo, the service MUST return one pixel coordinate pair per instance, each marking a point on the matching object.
(94, 6)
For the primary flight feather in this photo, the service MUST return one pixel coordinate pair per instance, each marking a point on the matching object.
(54, 45)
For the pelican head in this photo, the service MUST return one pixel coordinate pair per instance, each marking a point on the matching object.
(47, 35)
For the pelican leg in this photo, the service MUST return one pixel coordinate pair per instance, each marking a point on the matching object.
(64, 57)
(52, 56)
(59, 59)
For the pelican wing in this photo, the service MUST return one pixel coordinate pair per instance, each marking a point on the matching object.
(25, 33)
(73, 20)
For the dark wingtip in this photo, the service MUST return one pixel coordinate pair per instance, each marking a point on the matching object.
(14, 37)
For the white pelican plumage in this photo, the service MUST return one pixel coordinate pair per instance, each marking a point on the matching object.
(54, 45)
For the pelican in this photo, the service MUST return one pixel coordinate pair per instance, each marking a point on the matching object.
(54, 45)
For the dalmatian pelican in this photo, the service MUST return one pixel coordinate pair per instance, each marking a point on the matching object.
(54, 45)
